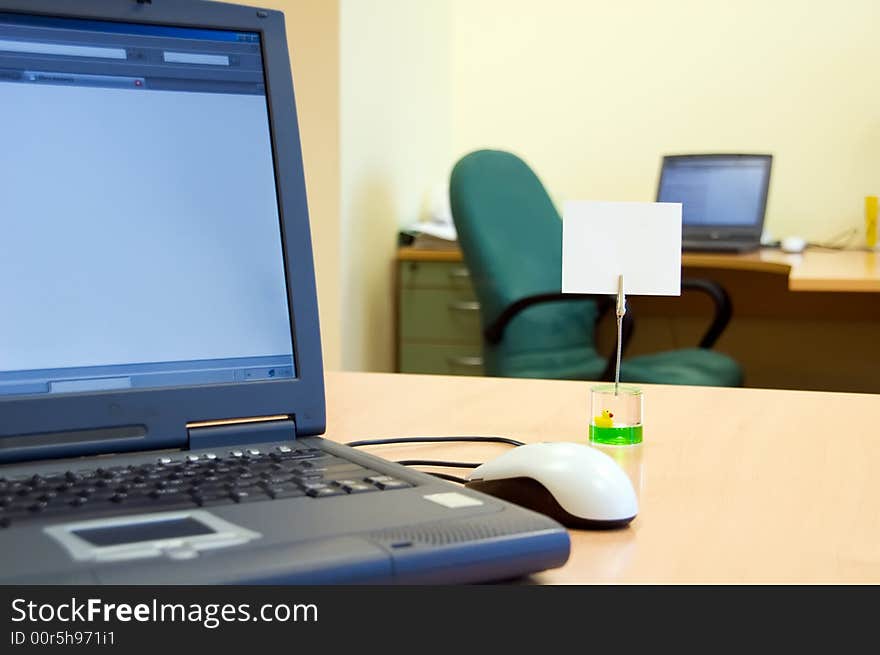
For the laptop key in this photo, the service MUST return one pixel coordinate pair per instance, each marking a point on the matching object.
(21, 505)
(387, 482)
(212, 488)
(359, 487)
(279, 492)
(324, 492)
(248, 496)
(345, 473)
(279, 480)
(242, 484)
(393, 484)
(312, 484)
(308, 478)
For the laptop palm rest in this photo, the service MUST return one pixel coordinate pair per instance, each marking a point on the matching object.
(347, 559)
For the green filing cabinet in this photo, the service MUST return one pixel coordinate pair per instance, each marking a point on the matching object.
(438, 327)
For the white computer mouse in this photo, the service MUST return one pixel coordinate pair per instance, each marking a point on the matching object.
(793, 244)
(578, 486)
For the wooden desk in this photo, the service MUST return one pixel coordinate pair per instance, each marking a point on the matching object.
(844, 271)
(738, 485)
(808, 321)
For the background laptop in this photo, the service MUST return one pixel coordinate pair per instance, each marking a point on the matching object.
(723, 198)
(161, 384)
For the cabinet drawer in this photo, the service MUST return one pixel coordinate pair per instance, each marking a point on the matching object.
(444, 315)
(444, 275)
(442, 360)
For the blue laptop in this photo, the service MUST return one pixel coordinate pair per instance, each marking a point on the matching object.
(723, 199)
(161, 384)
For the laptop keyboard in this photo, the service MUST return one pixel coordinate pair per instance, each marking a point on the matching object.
(186, 481)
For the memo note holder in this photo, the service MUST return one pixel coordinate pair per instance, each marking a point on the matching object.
(616, 411)
(631, 248)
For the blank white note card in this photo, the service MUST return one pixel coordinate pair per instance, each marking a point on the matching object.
(640, 240)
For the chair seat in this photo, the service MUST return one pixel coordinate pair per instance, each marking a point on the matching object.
(578, 363)
(691, 366)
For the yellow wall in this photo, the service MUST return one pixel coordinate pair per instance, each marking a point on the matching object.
(592, 92)
(313, 39)
(395, 118)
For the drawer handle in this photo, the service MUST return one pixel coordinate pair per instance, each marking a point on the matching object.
(473, 361)
(465, 306)
(459, 273)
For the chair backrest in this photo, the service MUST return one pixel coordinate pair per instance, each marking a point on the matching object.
(511, 238)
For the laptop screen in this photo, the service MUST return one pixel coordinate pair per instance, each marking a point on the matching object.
(141, 243)
(717, 190)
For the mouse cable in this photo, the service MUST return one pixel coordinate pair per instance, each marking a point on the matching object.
(840, 241)
(446, 476)
(380, 442)
(438, 462)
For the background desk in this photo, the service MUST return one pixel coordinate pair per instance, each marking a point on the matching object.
(844, 271)
(809, 321)
(738, 485)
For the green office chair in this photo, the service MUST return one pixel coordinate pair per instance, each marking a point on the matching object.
(511, 237)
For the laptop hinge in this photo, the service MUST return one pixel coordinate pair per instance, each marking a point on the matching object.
(241, 431)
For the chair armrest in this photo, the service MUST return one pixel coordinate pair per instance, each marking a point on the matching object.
(495, 332)
(723, 307)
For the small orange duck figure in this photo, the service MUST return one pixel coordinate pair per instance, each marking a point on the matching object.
(604, 420)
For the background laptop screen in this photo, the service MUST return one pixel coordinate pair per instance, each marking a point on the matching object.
(141, 243)
(717, 190)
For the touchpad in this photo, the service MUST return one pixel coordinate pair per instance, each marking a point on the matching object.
(176, 535)
(133, 533)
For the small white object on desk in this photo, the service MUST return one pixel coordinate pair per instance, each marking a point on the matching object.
(793, 244)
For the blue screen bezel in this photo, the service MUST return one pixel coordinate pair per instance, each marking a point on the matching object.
(699, 231)
(165, 412)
